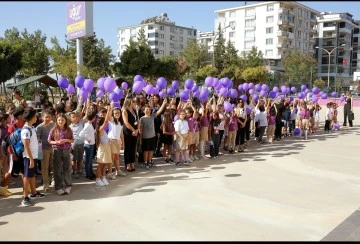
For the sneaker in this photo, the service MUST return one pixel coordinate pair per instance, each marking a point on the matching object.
(204, 157)
(37, 195)
(178, 164)
(60, 192)
(171, 160)
(111, 176)
(76, 175)
(167, 161)
(191, 158)
(68, 190)
(4, 192)
(186, 163)
(104, 180)
(147, 165)
(25, 202)
(120, 173)
(99, 182)
(195, 157)
(7, 189)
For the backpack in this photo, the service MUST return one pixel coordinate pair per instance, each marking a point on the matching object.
(15, 142)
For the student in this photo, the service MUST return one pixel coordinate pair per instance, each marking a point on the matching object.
(232, 124)
(116, 141)
(190, 118)
(31, 150)
(103, 148)
(147, 133)
(182, 130)
(242, 117)
(292, 118)
(42, 132)
(4, 155)
(77, 147)
(317, 116)
(271, 116)
(168, 129)
(328, 117)
(261, 118)
(215, 134)
(204, 128)
(61, 137)
(88, 133)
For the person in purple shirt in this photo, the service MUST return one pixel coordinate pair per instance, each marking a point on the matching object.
(271, 115)
(204, 128)
(61, 137)
(232, 124)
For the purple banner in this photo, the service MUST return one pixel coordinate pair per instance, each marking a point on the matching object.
(76, 20)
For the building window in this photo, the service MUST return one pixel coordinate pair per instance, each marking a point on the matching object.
(270, 8)
(181, 39)
(161, 52)
(161, 44)
(181, 46)
(249, 44)
(172, 29)
(122, 31)
(123, 47)
(249, 23)
(155, 51)
(231, 34)
(269, 41)
(189, 32)
(171, 53)
(270, 19)
(250, 12)
(123, 39)
(268, 52)
(154, 34)
(232, 14)
(162, 36)
(150, 27)
(153, 43)
(181, 31)
(172, 38)
(172, 45)
(269, 30)
(249, 33)
(162, 28)
(232, 24)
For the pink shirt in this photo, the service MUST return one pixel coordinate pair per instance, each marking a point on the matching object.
(305, 114)
(191, 122)
(233, 125)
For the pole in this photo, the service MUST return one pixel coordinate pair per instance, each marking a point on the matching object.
(329, 71)
(79, 57)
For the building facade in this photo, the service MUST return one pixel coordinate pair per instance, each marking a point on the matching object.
(206, 38)
(339, 36)
(274, 27)
(164, 37)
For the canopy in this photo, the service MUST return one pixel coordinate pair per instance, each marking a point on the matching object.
(45, 79)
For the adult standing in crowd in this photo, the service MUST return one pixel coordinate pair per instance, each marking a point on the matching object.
(18, 100)
(348, 107)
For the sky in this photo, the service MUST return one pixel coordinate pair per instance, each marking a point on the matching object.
(50, 17)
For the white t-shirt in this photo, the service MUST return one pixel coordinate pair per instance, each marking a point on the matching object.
(88, 133)
(181, 126)
(261, 117)
(329, 114)
(114, 130)
(222, 123)
(34, 146)
(37, 99)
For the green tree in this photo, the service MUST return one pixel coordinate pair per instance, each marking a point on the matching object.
(10, 61)
(142, 39)
(319, 83)
(253, 59)
(298, 67)
(231, 57)
(206, 71)
(256, 75)
(219, 50)
(195, 55)
(166, 66)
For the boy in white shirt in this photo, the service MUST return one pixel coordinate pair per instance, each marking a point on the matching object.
(261, 118)
(31, 151)
(182, 130)
(328, 118)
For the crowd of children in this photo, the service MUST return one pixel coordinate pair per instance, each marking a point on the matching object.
(64, 140)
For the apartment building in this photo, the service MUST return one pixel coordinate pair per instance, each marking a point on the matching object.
(206, 38)
(274, 27)
(339, 36)
(164, 37)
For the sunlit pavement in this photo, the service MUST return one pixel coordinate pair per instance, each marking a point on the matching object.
(290, 190)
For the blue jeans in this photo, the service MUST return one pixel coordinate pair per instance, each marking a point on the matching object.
(89, 152)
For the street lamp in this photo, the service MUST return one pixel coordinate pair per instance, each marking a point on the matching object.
(329, 53)
(221, 30)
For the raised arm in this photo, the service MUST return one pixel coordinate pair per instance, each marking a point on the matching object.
(161, 108)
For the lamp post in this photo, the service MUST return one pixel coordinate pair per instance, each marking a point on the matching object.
(329, 53)
(217, 34)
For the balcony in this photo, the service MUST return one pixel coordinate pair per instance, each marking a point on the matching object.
(283, 34)
(286, 11)
(313, 20)
(250, 17)
(328, 44)
(330, 36)
(282, 45)
(329, 28)
(344, 30)
(285, 23)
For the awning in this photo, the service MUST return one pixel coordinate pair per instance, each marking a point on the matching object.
(45, 79)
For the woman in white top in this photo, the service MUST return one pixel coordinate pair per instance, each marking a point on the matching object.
(37, 99)
(242, 117)
(182, 130)
(116, 140)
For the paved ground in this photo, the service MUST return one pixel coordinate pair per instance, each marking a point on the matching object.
(292, 190)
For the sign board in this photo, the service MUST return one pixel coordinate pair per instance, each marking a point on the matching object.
(79, 20)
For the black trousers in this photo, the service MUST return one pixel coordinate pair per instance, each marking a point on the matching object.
(256, 129)
(214, 150)
(347, 109)
(247, 129)
(240, 136)
(158, 142)
(221, 133)
(278, 128)
(327, 125)
(130, 148)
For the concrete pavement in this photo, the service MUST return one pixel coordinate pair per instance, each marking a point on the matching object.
(291, 190)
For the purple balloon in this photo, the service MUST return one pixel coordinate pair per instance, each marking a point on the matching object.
(225, 81)
(248, 110)
(114, 97)
(99, 93)
(195, 88)
(223, 92)
(272, 94)
(161, 83)
(148, 89)
(265, 88)
(255, 98)
(84, 94)
(204, 94)
(263, 93)
(287, 90)
(240, 88)
(293, 89)
(324, 95)
(216, 82)
(209, 81)
(334, 94)
(244, 97)
(119, 92)
(245, 86)
(251, 85)
(70, 89)
(275, 89)
(336, 126)
(342, 98)
(100, 83)
(170, 91)
(138, 77)
(155, 91)
(297, 131)
(196, 94)
(88, 85)
(124, 85)
(283, 89)
(233, 93)
(137, 86)
(63, 82)
(184, 95)
(189, 83)
(251, 91)
(314, 98)
(258, 87)
(230, 84)
(79, 81)
(109, 84)
(228, 106)
(301, 95)
(162, 94)
(303, 88)
(175, 84)
(291, 99)
(307, 91)
(315, 90)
